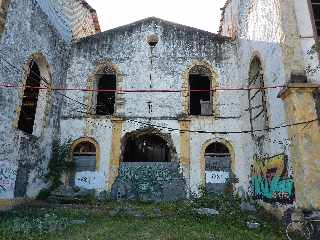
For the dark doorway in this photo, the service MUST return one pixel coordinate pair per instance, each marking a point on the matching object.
(30, 99)
(146, 148)
(218, 167)
(106, 99)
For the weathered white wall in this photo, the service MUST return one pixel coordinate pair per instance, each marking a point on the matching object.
(73, 19)
(178, 48)
(27, 32)
(307, 36)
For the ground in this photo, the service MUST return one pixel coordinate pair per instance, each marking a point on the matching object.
(132, 221)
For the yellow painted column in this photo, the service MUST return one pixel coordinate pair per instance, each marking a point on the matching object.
(115, 153)
(185, 149)
(300, 106)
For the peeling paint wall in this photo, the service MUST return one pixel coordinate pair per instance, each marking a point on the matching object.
(23, 156)
(280, 33)
(270, 30)
(179, 47)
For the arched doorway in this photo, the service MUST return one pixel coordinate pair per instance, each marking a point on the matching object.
(84, 157)
(217, 167)
(149, 168)
(146, 148)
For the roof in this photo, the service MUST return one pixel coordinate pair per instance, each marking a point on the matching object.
(72, 18)
(158, 21)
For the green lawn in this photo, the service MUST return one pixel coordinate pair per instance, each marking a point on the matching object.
(132, 221)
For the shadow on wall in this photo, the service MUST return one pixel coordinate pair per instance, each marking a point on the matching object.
(270, 181)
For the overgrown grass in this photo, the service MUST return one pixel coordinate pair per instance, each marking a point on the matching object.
(113, 221)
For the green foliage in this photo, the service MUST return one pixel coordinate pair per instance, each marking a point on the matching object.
(60, 163)
(43, 194)
(97, 223)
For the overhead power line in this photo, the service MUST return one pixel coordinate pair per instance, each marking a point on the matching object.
(158, 126)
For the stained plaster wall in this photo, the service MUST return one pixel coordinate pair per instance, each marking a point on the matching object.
(27, 32)
(74, 19)
(270, 30)
(308, 37)
(178, 48)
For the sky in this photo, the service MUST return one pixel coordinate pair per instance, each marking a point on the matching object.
(202, 14)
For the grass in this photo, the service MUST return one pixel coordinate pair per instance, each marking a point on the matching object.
(115, 221)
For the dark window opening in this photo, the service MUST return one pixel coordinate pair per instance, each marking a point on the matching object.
(84, 155)
(200, 94)
(217, 149)
(30, 99)
(316, 14)
(146, 148)
(106, 99)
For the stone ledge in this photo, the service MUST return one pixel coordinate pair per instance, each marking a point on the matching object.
(295, 87)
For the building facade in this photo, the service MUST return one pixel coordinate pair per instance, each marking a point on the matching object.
(156, 110)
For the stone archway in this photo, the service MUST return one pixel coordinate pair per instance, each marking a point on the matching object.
(152, 176)
(217, 165)
(85, 157)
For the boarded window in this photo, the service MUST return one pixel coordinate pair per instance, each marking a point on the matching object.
(218, 167)
(316, 14)
(200, 91)
(106, 95)
(84, 155)
(146, 148)
(257, 97)
(30, 99)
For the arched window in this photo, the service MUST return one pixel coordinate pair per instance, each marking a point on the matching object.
(217, 167)
(84, 156)
(257, 97)
(30, 99)
(200, 101)
(146, 148)
(316, 15)
(106, 95)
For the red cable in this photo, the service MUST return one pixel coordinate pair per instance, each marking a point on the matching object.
(152, 90)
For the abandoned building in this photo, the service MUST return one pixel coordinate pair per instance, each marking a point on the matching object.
(155, 110)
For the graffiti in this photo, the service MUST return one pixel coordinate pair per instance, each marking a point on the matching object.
(84, 180)
(270, 181)
(216, 176)
(7, 178)
(149, 182)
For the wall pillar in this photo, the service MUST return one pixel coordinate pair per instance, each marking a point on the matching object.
(300, 106)
(115, 153)
(185, 149)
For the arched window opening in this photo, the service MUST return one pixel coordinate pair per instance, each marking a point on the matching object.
(316, 14)
(84, 155)
(217, 167)
(146, 148)
(106, 96)
(30, 99)
(257, 97)
(200, 101)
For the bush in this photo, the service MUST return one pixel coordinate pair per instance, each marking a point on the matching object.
(59, 164)
(43, 194)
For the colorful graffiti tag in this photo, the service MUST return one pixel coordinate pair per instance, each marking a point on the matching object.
(270, 181)
(7, 178)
